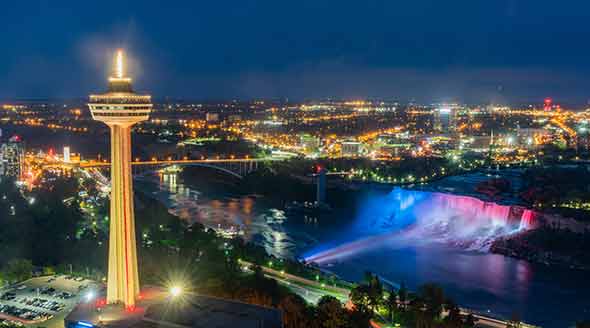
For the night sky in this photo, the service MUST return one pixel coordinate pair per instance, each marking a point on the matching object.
(502, 51)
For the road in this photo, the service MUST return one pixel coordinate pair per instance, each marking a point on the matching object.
(312, 291)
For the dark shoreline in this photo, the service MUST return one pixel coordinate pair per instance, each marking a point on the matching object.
(525, 246)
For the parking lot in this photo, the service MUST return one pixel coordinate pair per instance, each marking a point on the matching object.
(43, 300)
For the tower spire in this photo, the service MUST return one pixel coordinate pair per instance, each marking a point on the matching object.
(118, 82)
(119, 68)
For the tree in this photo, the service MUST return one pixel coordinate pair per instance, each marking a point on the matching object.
(434, 298)
(403, 295)
(426, 307)
(454, 319)
(48, 270)
(375, 290)
(583, 324)
(418, 310)
(258, 273)
(18, 270)
(295, 312)
(359, 319)
(7, 324)
(359, 296)
(330, 312)
(470, 321)
(391, 304)
(514, 321)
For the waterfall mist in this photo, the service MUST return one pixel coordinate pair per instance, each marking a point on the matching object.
(410, 217)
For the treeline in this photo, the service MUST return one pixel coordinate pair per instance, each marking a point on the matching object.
(42, 227)
(552, 187)
(547, 245)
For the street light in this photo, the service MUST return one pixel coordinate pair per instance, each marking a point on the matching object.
(175, 291)
(90, 296)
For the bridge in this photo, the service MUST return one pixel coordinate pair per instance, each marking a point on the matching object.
(237, 167)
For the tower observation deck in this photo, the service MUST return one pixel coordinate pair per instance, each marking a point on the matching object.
(120, 108)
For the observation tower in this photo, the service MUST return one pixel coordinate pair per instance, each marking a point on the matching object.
(120, 108)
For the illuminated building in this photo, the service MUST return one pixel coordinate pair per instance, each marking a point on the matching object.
(67, 155)
(547, 104)
(173, 309)
(212, 117)
(120, 108)
(445, 119)
(309, 143)
(529, 137)
(397, 144)
(351, 148)
(234, 118)
(12, 158)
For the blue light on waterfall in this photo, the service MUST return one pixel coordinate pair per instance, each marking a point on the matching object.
(408, 217)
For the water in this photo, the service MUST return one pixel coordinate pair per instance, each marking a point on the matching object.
(368, 239)
(413, 217)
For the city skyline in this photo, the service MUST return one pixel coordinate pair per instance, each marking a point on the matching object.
(427, 51)
(298, 164)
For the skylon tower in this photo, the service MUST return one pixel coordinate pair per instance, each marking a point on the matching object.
(120, 108)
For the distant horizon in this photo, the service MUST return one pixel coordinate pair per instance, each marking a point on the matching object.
(502, 52)
(189, 100)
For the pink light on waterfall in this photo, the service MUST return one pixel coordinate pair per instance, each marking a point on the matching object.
(411, 217)
(474, 209)
(528, 220)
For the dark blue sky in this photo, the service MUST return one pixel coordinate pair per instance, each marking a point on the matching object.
(466, 50)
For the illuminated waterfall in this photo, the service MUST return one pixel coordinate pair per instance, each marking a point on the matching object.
(410, 217)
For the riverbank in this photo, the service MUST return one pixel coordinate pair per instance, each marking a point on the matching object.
(480, 281)
(547, 246)
(307, 281)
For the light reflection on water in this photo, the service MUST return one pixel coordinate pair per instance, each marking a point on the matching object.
(549, 296)
(263, 226)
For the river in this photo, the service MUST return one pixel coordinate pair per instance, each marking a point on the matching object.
(541, 295)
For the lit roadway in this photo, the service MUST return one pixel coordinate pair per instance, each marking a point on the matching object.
(312, 291)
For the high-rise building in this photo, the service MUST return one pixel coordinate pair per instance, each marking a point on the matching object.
(445, 119)
(12, 158)
(67, 155)
(120, 108)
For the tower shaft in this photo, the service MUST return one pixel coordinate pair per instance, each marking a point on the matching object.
(123, 279)
(120, 108)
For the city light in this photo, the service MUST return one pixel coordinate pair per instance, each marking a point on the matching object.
(352, 182)
(175, 291)
(90, 295)
(119, 64)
